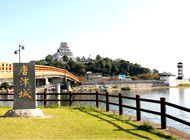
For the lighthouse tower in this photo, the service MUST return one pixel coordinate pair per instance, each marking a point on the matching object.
(180, 70)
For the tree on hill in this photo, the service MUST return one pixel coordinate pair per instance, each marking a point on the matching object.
(106, 66)
(98, 57)
(78, 58)
(154, 71)
(65, 58)
(39, 62)
(49, 58)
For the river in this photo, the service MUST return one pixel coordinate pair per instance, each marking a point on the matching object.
(179, 96)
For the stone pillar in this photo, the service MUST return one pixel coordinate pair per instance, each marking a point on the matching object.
(37, 82)
(69, 87)
(57, 90)
(46, 81)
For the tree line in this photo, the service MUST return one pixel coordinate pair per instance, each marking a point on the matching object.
(106, 66)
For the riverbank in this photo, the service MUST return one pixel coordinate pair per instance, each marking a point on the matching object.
(169, 130)
(75, 123)
(98, 89)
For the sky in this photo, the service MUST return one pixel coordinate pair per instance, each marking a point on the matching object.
(152, 33)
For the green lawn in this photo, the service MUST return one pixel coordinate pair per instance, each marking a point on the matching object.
(184, 85)
(73, 123)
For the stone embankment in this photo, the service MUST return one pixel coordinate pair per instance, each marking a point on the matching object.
(133, 84)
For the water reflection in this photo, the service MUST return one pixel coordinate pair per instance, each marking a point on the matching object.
(6, 103)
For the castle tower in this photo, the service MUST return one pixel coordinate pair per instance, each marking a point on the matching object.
(180, 70)
(61, 51)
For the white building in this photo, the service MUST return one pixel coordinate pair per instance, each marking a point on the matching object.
(61, 51)
(171, 80)
(168, 78)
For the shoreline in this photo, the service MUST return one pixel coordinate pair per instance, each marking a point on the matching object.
(169, 130)
(136, 88)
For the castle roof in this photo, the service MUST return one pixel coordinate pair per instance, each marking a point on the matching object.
(63, 44)
(166, 74)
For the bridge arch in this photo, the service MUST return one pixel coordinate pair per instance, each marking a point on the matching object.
(6, 73)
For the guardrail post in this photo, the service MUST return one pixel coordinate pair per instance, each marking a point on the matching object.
(163, 112)
(45, 99)
(138, 105)
(107, 102)
(97, 99)
(70, 93)
(120, 104)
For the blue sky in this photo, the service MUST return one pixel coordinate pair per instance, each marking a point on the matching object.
(154, 34)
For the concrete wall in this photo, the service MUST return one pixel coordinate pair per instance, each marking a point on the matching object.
(134, 84)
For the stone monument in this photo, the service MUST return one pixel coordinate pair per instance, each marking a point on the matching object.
(24, 91)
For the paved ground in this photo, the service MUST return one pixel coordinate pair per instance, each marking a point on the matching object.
(169, 130)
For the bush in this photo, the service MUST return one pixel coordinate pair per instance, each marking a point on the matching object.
(114, 78)
(4, 85)
(134, 78)
(127, 87)
(81, 78)
(116, 86)
(185, 85)
(145, 126)
(145, 76)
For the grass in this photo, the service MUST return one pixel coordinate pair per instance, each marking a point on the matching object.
(116, 86)
(184, 85)
(83, 122)
(127, 87)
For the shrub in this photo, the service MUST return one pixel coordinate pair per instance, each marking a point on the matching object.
(116, 86)
(145, 126)
(81, 78)
(127, 87)
(4, 85)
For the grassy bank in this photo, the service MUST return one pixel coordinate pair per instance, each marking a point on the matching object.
(75, 123)
(183, 85)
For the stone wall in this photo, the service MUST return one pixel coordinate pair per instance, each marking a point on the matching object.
(133, 84)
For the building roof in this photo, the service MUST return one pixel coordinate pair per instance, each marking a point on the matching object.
(63, 44)
(165, 74)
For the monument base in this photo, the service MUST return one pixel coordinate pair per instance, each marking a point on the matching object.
(24, 113)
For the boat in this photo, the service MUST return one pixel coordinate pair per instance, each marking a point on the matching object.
(103, 89)
(126, 88)
(81, 90)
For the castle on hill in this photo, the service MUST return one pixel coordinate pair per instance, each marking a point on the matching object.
(61, 51)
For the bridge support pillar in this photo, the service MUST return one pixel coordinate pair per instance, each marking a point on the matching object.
(68, 87)
(46, 81)
(37, 82)
(57, 90)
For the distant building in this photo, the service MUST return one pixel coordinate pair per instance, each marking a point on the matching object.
(93, 76)
(86, 61)
(61, 51)
(180, 70)
(122, 77)
(168, 78)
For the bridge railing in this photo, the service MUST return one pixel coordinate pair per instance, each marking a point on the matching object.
(40, 68)
(8, 67)
(138, 108)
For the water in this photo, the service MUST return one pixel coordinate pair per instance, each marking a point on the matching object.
(179, 96)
